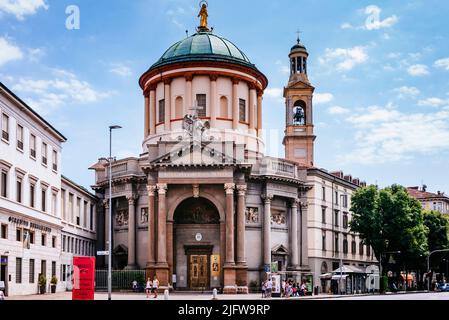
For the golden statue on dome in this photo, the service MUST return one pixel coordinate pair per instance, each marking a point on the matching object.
(203, 15)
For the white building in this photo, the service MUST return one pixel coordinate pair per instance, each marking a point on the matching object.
(30, 199)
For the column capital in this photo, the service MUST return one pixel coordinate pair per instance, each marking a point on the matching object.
(295, 203)
(188, 76)
(167, 81)
(213, 77)
(229, 188)
(267, 198)
(235, 81)
(252, 86)
(162, 188)
(131, 198)
(242, 189)
(151, 189)
(152, 87)
(106, 203)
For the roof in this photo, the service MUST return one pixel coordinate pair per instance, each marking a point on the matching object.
(33, 113)
(298, 48)
(203, 46)
(423, 195)
(77, 186)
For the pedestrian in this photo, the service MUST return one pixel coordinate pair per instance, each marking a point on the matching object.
(264, 288)
(135, 286)
(269, 288)
(155, 286)
(148, 287)
(2, 295)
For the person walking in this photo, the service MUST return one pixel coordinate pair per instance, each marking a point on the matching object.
(148, 287)
(269, 288)
(264, 288)
(155, 287)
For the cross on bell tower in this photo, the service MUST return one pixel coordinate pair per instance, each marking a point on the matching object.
(299, 136)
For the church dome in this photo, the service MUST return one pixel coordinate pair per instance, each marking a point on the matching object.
(298, 48)
(203, 46)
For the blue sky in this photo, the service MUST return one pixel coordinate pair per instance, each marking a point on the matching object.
(380, 68)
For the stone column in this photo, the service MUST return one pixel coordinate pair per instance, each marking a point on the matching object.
(304, 237)
(147, 117)
(131, 232)
(252, 107)
(235, 103)
(229, 267)
(151, 219)
(267, 230)
(294, 234)
(152, 110)
(259, 114)
(162, 270)
(241, 207)
(167, 100)
(213, 101)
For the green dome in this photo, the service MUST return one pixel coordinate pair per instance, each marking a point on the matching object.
(203, 46)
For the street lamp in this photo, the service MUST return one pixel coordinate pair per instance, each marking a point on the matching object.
(428, 265)
(110, 160)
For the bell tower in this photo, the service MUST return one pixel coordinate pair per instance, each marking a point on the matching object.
(299, 136)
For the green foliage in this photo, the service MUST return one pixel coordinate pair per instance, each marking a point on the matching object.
(54, 280)
(438, 225)
(390, 220)
(383, 283)
(42, 280)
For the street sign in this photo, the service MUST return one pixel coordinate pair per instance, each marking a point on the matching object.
(102, 253)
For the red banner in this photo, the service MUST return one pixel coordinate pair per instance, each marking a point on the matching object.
(83, 278)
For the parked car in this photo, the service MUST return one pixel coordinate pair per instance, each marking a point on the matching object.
(444, 287)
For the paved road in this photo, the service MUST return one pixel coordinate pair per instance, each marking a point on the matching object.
(410, 296)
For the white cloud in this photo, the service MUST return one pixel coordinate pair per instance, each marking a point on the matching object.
(442, 63)
(434, 102)
(48, 95)
(373, 22)
(346, 25)
(22, 8)
(274, 92)
(9, 52)
(338, 110)
(121, 70)
(405, 92)
(321, 98)
(389, 135)
(394, 55)
(35, 54)
(345, 59)
(417, 70)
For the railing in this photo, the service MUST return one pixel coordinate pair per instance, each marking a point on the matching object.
(122, 280)
(282, 167)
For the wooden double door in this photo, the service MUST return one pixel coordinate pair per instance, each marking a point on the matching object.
(198, 259)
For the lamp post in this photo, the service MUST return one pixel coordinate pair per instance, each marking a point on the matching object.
(110, 160)
(428, 265)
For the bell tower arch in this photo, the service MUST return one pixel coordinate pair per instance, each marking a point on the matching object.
(299, 133)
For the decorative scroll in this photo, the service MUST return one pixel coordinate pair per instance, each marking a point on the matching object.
(252, 215)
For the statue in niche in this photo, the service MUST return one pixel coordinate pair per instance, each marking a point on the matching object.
(252, 215)
(298, 117)
(196, 211)
(278, 217)
(121, 218)
(144, 215)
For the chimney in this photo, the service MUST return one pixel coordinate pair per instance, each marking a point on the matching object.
(356, 181)
(348, 178)
(424, 188)
(338, 174)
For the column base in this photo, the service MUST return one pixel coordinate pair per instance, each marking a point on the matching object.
(162, 274)
(241, 271)
(230, 283)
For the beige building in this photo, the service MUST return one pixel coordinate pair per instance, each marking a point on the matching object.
(430, 201)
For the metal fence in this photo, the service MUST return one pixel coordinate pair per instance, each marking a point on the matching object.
(122, 280)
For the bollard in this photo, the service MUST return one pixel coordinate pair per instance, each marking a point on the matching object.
(166, 295)
(214, 293)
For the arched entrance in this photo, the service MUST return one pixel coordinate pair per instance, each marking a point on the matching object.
(196, 245)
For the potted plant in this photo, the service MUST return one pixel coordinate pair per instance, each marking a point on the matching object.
(53, 282)
(42, 284)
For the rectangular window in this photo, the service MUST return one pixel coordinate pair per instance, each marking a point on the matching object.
(353, 247)
(345, 220)
(19, 235)
(53, 242)
(18, 270)
(323, 190)
(44, 153)
(361, 248)
(33, 146)
(161, 111)
(19, 137)
(32, 195)
(63, 210)
(201, 103)
(44, 240)
(55, 160)
(345, 201)
(63, 243)
(323, 215)
(44, 268)
(31, 272)
(242, 110)
(85, 214)
(78, 211)
(336, 218)
(4, 184)
(4, 231)
(91, 217)
(44, 200)
(53, 268)
(368, 251)
(323, 241)
(19, 190)
(53, 203)
(345, 245)
(336, 243)
(31, 233)
(70, 217)
(336, 197)
(64, 273)
(5, 127)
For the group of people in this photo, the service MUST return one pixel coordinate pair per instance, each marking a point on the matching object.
(152, 287)
(293, 289)
(267, 288)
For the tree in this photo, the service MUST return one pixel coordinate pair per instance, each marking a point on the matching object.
(390, 220)
(438, 226)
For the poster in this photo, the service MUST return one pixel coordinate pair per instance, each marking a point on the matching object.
(215, 265)
(276, 280)
(83, 278)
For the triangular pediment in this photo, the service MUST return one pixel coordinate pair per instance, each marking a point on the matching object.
(299, 84)
(197, 153)
(279, 250)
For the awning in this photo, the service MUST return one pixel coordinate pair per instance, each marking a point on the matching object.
(409, 277)
(338, 277)
(326, 276)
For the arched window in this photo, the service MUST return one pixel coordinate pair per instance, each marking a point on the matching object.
(179, 108)
(224, 107)
(299, 113)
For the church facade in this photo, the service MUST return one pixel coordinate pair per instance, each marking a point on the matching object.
(202, 206)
